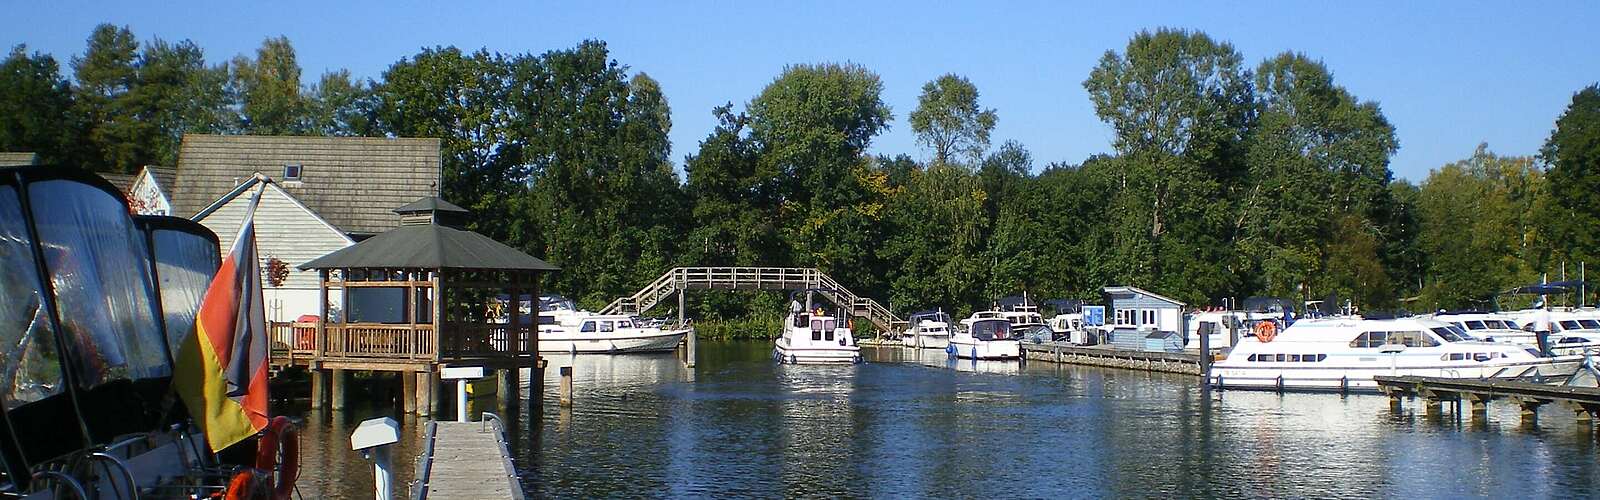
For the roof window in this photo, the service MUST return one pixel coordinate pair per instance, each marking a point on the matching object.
(291, 172)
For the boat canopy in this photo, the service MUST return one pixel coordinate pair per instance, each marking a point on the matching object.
(1065, 306)
(991, 329)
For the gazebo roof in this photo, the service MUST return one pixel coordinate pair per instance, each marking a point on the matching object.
(429, 204)
(430, 246)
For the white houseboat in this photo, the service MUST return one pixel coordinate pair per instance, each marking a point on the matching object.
(815, 336)
(1345, 353)
(565, 328)
(985, 335)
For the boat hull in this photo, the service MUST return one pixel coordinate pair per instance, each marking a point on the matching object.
(927, 341)
(1360, 378)
(986, 349)
(666, 340)
(817, 356)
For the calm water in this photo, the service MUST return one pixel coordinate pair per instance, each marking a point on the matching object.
(921, 426)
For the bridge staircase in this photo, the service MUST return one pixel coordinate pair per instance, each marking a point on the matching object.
(679, 280)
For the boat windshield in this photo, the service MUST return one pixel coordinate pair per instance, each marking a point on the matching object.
(29, 366)
(991, 330)
(185, 264)
(1570, 324)
(1590, 324)
(1453, 334)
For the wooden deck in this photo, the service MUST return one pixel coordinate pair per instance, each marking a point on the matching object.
(1584, 402)
(372, 346)
(1107, 356)
(467, 460)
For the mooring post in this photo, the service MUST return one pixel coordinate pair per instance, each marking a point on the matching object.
(408, 392)
(1480, 406)
(319, 389)
(1432, 407)
(566, 386)
(694, 338)
(424, 392)
(340, 379)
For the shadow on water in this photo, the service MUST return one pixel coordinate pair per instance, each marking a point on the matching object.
(918, 424)
(329, 469)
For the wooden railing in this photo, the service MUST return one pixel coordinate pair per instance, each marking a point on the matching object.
(678, 279)
(377, 342)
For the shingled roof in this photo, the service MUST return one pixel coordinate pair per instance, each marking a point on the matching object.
(12, 159)
(352, 182)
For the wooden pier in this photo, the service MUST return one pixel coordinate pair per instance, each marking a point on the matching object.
(1153, 361)
(1584, 402)
(466, 460)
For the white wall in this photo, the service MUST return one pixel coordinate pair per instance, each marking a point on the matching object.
(290, 232)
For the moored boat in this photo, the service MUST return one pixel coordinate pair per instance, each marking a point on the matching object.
(565, 328)
(927, 330)
(985, 335)
(815, 335)
(1345, 353)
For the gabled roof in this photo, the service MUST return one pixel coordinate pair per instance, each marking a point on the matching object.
(430, 246)
(352, 182)
(248, 186)
(166, 177)
(123, 182)
(1138, 291)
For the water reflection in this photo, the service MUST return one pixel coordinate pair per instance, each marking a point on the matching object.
(913, 423)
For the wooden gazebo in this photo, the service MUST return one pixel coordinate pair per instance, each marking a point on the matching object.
(415, 298)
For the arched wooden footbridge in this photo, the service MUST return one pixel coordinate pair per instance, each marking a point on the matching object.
(680, 280)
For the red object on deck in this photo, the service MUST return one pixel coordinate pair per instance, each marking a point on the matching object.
(308, 318)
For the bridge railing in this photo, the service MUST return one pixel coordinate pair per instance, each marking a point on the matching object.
(679, 279)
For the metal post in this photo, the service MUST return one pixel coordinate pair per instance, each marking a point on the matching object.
(566, 386)
(461, 401)
(382, 474)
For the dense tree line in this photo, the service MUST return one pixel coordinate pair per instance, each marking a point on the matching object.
(1225, 180)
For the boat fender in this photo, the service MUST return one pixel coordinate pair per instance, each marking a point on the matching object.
(793, 360)
(280, 435)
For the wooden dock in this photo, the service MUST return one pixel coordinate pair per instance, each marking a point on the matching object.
(1154, 361)
(1584, 402)
(466, 460)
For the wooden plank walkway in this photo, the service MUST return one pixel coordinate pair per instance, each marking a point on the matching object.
(468, 460)
(1107, 356)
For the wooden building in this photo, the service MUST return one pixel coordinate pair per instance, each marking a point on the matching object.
(418, 297)
(324, 193)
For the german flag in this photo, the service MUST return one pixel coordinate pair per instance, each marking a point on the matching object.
(221, 372)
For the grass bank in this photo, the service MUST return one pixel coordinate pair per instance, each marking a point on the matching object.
(758, 327)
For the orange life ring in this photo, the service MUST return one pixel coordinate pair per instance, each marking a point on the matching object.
(280, 433)
(1266, 331)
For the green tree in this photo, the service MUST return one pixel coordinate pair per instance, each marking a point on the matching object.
(269, 90)
(949, 120)
(1478, 228)
(934, 240)
(1314, 154)
(34, 100)
(341, 106)
(812, 125)
(105, 72)
(1179, 104)
(1573, 155)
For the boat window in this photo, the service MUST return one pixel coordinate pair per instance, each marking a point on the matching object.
(91, 243)
(1413, 339)
(1370, 339)
(1569, 325)
(29, 367)
(625, 324)
(1482, 356)
(816, 333)
(801, 319)
(1454, 356)
(991, 330)
(829, 325)
(827, 335)
(1452, 334)
(1475, 325)
(588, 327)
(1280, 357)
(816, 325)
(1309, 358)
(607, 327)
(1294, 358)
(185, 263)
(1590, 324)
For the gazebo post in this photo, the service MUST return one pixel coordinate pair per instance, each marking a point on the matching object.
(507, 374)
(535, 365)
(319, 383)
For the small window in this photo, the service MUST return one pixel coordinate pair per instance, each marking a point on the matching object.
(1294, 358)
(828, 335)
(828, 326)
(1456, 356)
(291, 172)
(1280, 357)
(588, 326)
(1308, 358)
(816, 325)
(625, 324)
(1475, 325)
(1321, 357)
(607, 327)
(1482, 356)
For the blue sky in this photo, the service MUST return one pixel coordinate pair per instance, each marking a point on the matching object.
(1447, 75)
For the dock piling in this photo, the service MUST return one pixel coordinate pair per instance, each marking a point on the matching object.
(319, 388)
(408, 392)
(340, 379)
(566, 386)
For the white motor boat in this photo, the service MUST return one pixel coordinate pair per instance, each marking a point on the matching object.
(1490, 327)
(1345, 353)
(1216, 325)
(565, 328)
(927, 330)
(985, 335)
(816, 336)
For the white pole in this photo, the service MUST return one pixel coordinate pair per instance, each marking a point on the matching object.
(382, 477)
(461, 401)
